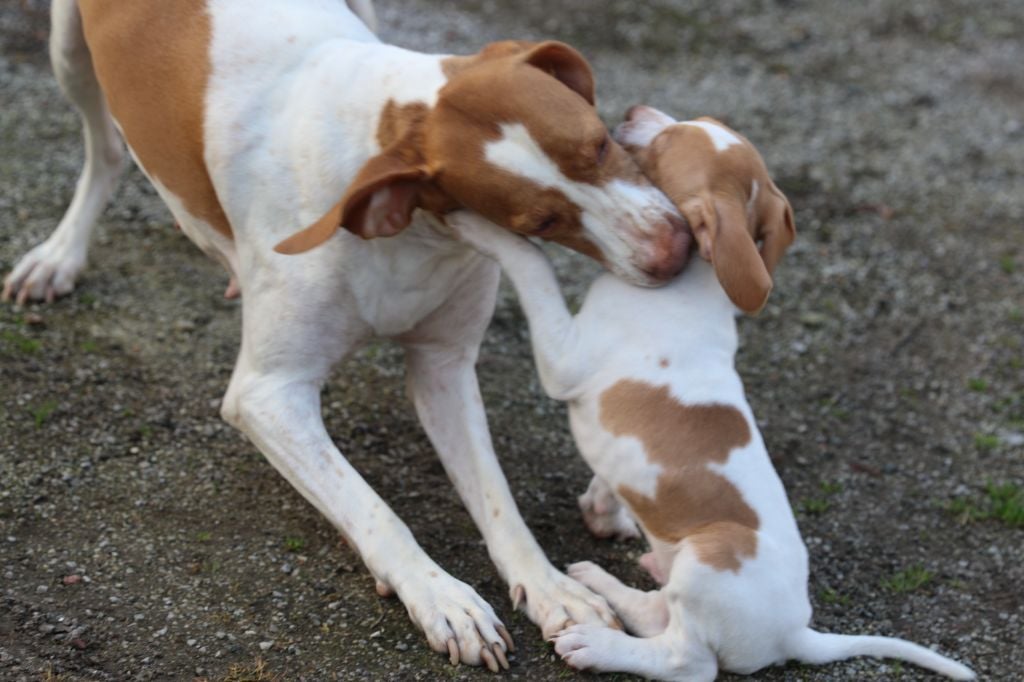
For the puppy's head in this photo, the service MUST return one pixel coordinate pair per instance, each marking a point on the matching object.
(514, 136)
(717, 179)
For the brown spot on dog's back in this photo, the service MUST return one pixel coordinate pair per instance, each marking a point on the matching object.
(663, 362)
(152, 60)
(691, 502)
(673, 434)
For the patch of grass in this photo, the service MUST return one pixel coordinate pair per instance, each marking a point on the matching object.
(203, 536)
(814, 505)
(830, 596)
(977, 384)
(90, 346)
(87, 299)
(1006, 503)
(831, 487)
(22, 343)
(246, 672)
(41, 413)
(294, 544)
(1017, 315)
(908, 580)
(1007, 264)
(1003, 502)
(986, 441)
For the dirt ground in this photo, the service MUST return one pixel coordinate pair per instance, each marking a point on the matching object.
(142, 538)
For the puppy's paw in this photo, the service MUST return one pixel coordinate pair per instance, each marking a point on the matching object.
(591, 647)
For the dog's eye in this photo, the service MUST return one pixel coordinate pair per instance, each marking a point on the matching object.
(546, 225)
(602, 149)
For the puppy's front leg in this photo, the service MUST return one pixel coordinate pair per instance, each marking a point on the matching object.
(560, 351)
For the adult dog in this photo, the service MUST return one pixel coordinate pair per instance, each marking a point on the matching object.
(251, 120)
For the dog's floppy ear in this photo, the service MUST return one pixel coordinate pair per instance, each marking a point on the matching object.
(778, 230)
(720, 227)
(378, 203)
(565, 64)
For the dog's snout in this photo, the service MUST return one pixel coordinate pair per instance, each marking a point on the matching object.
(670, 249)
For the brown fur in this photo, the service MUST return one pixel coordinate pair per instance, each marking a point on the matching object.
(691, 501)
(712, 189)
(152, 60)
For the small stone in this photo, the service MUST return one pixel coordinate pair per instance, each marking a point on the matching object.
(41, 589)
(71, 579)
(402, 646)
(191, 642)
(266, 645)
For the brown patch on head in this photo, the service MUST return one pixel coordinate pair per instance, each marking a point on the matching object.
(549, 89)
(691, 501)
(714, 189)
(152, 60)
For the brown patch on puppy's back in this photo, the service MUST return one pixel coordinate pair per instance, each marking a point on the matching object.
(691, 502)
(153, 62)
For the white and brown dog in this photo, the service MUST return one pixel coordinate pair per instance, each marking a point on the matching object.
(251, 120)
(658, 412)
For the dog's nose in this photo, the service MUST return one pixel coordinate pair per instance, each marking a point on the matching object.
(670, 250)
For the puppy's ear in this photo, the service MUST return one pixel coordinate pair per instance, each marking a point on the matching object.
(378, 203)
(778, 229)
(720, 227)
(565, 64)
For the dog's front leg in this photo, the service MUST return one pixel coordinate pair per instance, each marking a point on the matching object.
(274, 398)
(443, 386)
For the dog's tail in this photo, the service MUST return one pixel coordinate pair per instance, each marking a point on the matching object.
(810, 646)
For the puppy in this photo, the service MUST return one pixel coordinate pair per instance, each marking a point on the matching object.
(658, 412)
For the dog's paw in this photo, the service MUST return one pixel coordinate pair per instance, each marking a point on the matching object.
(455, 620)
(44, 273)
(589, 647)
(554, 601)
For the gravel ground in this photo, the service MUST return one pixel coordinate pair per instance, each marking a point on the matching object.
(141, 538)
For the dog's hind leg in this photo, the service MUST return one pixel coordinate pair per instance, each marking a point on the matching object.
(49, 270)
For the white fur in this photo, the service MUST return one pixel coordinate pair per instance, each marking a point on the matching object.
(682, 336)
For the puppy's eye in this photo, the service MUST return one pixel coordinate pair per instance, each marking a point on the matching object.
(602, 149)
(546, 225)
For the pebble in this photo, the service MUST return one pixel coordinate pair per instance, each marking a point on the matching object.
(264, 646)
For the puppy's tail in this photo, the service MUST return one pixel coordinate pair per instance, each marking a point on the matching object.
(810, 646)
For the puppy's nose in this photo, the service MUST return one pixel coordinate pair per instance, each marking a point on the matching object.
(637, 110)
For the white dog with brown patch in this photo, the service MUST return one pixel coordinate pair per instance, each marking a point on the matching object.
(251, 120)
(658, 412)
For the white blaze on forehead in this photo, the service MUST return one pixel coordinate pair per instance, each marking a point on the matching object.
(641, 132)
(720, 137)
(614, 215)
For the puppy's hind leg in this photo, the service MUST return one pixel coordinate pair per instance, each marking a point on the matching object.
(604, 515)
(643, 613)
(49, 270)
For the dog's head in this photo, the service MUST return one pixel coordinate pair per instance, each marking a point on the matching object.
(514, 136)
(742, 222)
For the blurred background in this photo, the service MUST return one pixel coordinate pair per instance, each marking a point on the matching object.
(141, 538)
